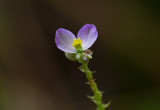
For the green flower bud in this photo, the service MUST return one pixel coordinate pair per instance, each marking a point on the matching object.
(78, 55)
(89, 57)
(71, 56)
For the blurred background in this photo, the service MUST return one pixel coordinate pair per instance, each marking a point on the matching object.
(35, 75)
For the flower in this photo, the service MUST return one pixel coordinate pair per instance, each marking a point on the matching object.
(67, 42)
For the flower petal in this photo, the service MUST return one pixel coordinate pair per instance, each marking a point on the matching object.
(64, 40)
(88, 34)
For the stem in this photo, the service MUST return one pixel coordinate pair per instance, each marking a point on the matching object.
(97, 97)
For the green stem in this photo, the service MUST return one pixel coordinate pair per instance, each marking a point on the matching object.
(97, 97)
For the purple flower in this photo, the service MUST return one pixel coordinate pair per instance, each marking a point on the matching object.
(67, 42)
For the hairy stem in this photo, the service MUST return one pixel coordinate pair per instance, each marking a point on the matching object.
(97, 97)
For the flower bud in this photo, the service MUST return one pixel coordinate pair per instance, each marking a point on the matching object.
(89, 57)
(78, 55)
(85, 58)
(71, 56)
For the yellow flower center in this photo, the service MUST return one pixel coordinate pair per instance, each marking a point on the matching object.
(77, 42)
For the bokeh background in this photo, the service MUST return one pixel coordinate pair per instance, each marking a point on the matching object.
(35, 75)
